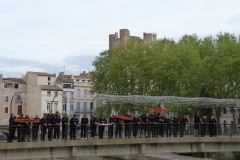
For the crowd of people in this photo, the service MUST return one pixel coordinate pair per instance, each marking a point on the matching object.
(152, 125)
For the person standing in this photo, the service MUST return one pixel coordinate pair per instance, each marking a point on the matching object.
(102, 122)
(203, 125)
(212, 127)
(118, 127)
(50, 125)
(19, 129)
(136, 121)
(35, 128)
(93, 125)
(151, 121)
(162, 121)
(144, 120)
(73, 126)
(84, 122)
(12, 127)
(169, 126)
(44, 126)
(157, 124)
(175, 125)
(183, 123)
(196, 123)
(56, 121)
(111, 125)
(127, 124)
(26, 130)
(64, 126)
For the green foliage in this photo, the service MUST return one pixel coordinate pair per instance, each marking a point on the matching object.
(191, 67)
(235, 156)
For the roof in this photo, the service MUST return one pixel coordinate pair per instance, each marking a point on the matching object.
(51, 88)
(43, 74)
(84, 75)
(18, 80)
(64, 79)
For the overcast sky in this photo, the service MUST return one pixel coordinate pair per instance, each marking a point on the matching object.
(46, 35)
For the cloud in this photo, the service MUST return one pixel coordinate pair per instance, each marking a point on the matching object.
(12, 67)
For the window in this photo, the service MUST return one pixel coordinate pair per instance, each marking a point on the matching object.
(6, 99)
(49, 78)
(78, 106)
(71, 107)
(55, 107)
(37, 107)
(19, 110)
(5, 120)
(55, 94)
(49, 94)
(48, 83)
(85, 93)
(64, 95)
(6, 109)
(18, 97)
(224, 110)
(68, 86)
(64, 108)
(71, 95)
(11, 85)
(77, 80)
(83, 80)
(89, 81)
(48, 106)
(84, 106)
(78, 93)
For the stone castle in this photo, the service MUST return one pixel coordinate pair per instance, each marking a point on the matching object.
(114, 41)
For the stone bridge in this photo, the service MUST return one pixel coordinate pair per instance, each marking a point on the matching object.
(111, 147)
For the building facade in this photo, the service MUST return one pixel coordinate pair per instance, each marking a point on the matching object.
(12, 98)
(114, 40)
(42, 93)
(77, 90)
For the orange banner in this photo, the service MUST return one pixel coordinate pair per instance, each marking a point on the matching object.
(123, 117)
(22, 120)
(158, 110)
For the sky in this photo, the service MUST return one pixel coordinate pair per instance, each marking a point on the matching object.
(57, 35)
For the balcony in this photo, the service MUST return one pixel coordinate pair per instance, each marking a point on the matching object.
(68, 89)
(71, 112)
(85, 96)
(81, 110)
(64, 99)
(89, 84)
(71, 100)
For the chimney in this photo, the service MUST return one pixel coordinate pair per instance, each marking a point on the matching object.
(84, 72)
(1, 76)
(72, 76)
(61, 74)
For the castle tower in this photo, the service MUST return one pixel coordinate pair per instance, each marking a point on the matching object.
(147, 37)
(154, 37)
(124, 35)
(112, 38)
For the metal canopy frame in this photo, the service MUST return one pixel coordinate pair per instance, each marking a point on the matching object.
(167, 101)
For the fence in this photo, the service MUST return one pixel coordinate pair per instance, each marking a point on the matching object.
(42, 133)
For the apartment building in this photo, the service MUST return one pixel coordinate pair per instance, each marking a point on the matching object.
(42, 93)
(77, 90)
(12, 98)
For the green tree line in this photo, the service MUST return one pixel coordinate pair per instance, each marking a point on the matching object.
(189, 67)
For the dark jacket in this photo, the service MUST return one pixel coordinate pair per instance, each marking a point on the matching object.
(93, 120)
(163, 119)
(56, 119)
(12, 121)
(128, 121)
(37, 123)
(50, 119)
(135, 121)
(64, 120)
(151, 118)
(103, 121)
(184, 121)
(84, 121)
(111, 120)
(44, 122)
(72, 121)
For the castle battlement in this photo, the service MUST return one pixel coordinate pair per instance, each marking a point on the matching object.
(114, 41)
